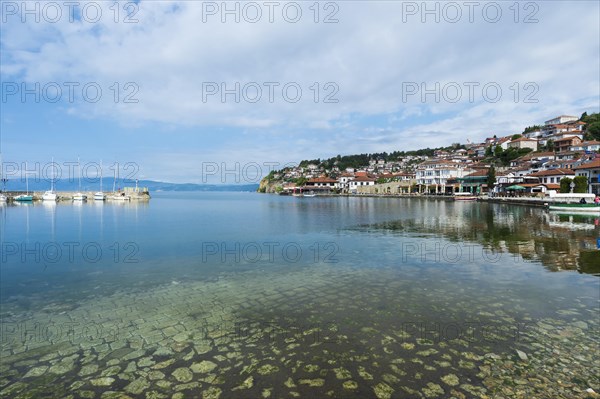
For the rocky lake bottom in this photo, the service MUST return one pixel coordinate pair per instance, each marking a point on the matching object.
(318, 331)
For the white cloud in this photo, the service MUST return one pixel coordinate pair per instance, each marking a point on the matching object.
(171, 52)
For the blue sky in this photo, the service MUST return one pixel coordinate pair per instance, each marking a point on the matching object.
(172, 58)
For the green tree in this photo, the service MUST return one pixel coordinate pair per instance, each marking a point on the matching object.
(565, 185)
(488, 151)
(581, 184)
(593, 130)
(516, 136)
(300, 181)
(491, 177)
(498, 151)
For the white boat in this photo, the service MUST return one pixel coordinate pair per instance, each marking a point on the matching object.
(99, 195)
(50, 195)
(118, 195)
(464, 197)
(3, 198)
(79, 196)
(575, 209)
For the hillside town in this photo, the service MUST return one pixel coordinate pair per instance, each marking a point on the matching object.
(560, 156)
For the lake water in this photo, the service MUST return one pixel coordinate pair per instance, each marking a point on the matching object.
(243, 295)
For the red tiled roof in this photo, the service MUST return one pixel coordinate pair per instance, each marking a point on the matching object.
(322, 180)
(591, 142)
(553, 172)
(481, 172)
(590, 165)
(364, 178)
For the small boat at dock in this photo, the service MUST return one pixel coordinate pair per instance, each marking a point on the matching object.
(465, 197)
(50, 195)
(575, 209)
(79, 196)
(25, 197)
(99, 195)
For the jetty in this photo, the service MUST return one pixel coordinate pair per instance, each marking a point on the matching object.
(67, 196)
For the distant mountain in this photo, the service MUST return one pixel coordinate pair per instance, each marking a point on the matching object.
(94, 184)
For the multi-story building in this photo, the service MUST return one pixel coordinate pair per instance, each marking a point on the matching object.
(591, 170)
(434, 175)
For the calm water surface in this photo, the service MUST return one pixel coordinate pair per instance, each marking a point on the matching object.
(245, 295)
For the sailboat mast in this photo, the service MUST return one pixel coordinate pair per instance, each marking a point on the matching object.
(26, 179)
(100, 175)
(53, 176)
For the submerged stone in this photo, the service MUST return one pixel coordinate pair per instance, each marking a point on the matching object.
(451, 379)
(212, 393)
(137, 386)
(111, 371)
(522, 355)
(183, 374)
(267, 369)
(364, 374)
(115, 395)
(247, 384)
(289, 383)
(61, 368)
(156, 375)
(203, 367)
(88, 369)
(383, 391)
(102, 382)
(342, 374)
(316, 382)
(433, 390)
(36, 371)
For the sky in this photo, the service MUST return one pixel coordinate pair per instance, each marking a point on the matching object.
(213, 92)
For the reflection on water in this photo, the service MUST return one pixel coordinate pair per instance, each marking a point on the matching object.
(559, 242)
(396, 315)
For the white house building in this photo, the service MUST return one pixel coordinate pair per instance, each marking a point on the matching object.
(591, 170)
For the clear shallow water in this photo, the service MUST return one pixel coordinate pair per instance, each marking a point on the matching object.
(247, 295)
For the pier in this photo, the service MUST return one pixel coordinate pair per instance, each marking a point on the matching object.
(67, 196)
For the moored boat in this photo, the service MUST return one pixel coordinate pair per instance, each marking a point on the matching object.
(24, 198)
(79, 196)
(464, 197)
(587, 209)
(49, 195)
(99, 195)
(120, 196)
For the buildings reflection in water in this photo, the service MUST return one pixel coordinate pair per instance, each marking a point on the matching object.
(559, 242)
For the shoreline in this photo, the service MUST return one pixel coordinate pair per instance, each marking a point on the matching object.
(527, 201)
